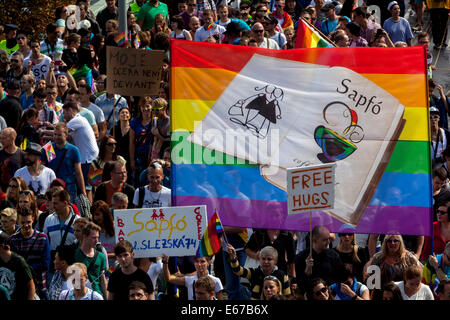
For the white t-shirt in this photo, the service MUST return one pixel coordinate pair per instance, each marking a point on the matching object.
(90, 295)
(38, 184)
(202, 34)
(153, 272)
(39, 70)
(154, 199)
(424, 292)
(84, 138)
(189, 283)
(280, 39)
(269, 44)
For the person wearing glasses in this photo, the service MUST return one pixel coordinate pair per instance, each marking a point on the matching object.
(318, 290)
(24, 47)
(261, 40)
(117, 183)
(441, 233)
(393, 260)
(190, 12)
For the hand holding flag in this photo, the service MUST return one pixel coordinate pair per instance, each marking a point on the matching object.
(210, 244)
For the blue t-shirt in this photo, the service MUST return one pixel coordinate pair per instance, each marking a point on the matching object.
(398, 31)
(66, 171)
(329, 26)
(25, 101)
(143, 136)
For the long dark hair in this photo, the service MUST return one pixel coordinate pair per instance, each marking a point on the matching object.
(102, 149)
(103, 208)
(392, 287)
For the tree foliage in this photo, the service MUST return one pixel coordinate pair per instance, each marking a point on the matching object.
(32, 16)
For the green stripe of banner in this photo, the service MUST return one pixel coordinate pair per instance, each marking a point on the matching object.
(408, 156)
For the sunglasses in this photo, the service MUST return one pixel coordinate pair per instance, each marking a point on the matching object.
(258, 31)
(319, 292)
(25, 192)
(157, 109)
(441, 212)
(111, 144)
(393, 241)
(191, 5)
(270, 278)
(15, 60)
(12, 187)
(244, 7)
(431, 117)
(345, 234)
(20, 38)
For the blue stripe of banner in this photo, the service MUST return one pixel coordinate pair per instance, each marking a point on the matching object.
(236, 182)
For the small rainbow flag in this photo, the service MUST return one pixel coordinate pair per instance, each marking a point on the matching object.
(121, 39)
(308, 37)
(95, 177)
(210, 244)
(137, 41)
(209, 26)
(49, 151)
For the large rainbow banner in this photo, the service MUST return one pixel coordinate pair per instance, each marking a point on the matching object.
(241, 116)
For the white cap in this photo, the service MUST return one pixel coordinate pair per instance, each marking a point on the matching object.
(392, 3)
(84, 24)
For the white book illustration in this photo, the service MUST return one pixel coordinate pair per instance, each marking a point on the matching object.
(294, 114)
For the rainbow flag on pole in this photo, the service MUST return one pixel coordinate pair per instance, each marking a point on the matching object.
(210, 244)
(401, 202)
(49, 151)
(120, 39)
(308, 37)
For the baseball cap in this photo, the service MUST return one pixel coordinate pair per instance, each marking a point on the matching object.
(434, 109)
(33, 148)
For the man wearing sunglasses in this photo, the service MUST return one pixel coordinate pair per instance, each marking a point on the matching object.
(261, 40)
(189, 13)
(16, 71)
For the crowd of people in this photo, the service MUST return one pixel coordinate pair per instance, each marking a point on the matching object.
(72, 153)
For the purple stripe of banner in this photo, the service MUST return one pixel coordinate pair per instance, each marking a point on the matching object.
(376, 219)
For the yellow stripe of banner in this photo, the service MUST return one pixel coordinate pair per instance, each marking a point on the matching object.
(314, 40)
(209, 83)
(415, 127)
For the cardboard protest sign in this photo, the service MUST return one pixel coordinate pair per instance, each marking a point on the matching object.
(173, 231)
(310, 188)
(132, 72)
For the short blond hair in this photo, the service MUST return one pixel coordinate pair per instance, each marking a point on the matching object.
(9, 212)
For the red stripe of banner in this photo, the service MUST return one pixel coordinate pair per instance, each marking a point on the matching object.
(362, 60)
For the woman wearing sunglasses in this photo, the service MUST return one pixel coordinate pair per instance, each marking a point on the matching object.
(393, 260)
(318, 290)
(107, 152)
(16, 184)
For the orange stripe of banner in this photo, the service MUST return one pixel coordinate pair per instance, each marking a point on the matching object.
(208, 84)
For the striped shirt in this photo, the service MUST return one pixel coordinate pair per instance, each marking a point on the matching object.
(53, 51)
(35, 249)
(55, 231)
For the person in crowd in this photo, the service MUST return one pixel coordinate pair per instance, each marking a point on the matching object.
(119, 201)
(201, 269)
(37, 176)
(293, 8)
(8, 219)
(137, 291)
(160, 25)
(48, 207)
(437, 268)
(439, 138)
(107, 152)
(270, 24)
(318, 290)
(393, 260)
(331, 22)
(34, 247)
(52, 46)
(261, 40)
(411, 288)
(27, 199)
(322, 262)
(84, 15)
(160, 128)
(10, 44)
(209, 28)
(110, 12)
(20, 286)
(10, 107)
(391, 292)
(27, 128)
(141, 137)
(102, 216)
(441, 232)
(349, 288)
(398, 27)
(178, 29)
(190, 12)
(67, 163)
(117, 183)
(39, 62)
(79, 290)
(441, 103)
(148, 12)
(27, 84)
(111, 104)
(122, 277)
(194, 25)
(271, 287)
(61, 280)
(268, 257)
(439, 15)
(85, 102)
(352, 256)
(154, 195)
(11, 157)
(93, 259)
(205, 288)
(289, 33)
(73, 95)
(121, 134)
(284, 19)
(354, 33)
(444, 290)
(17, 70)
(282, 241)
(16, 184)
